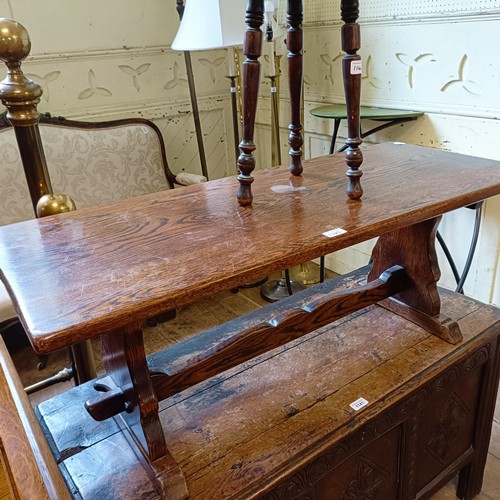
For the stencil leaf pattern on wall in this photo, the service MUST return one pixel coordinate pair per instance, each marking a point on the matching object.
(330, 63)
(176, 80)
(44, 81)
(412, 64)
(371, 80)
(212, 65)
(11, 10)
(463, 82)
(135, 73)
(93, 88)
(307, 81)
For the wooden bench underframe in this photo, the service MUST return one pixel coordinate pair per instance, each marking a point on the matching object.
(128, 390)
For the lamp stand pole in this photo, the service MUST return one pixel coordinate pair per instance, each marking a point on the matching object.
(275, 290)
(275, 121)
(194, 102)
(234, 109)
(233, 60)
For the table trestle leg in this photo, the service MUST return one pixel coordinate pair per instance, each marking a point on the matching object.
(127, 394)
(413, 248)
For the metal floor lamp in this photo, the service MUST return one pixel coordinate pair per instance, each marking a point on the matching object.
(284, 286)
(210, 24)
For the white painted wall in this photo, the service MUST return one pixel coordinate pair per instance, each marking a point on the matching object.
(112, 59)
(437, 57)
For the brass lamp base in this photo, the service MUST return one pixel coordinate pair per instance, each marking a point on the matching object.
(275, 290)
(307, 273)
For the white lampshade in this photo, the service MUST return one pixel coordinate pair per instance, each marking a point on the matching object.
(270, 16)
(211, 24)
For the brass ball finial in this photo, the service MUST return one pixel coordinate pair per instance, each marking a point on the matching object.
(18, 94)
(15, 42)
(52, 204)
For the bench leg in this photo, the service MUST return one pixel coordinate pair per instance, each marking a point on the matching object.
(414, 249)
(127, 393)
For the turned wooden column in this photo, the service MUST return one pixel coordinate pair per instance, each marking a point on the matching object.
(351, 68)
(294, 43)
(252, 49)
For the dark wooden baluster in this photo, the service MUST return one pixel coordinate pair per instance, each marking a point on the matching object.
(252, 48)
(294, 42)
(351, 68)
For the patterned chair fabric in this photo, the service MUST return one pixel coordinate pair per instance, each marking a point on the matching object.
(94, 163)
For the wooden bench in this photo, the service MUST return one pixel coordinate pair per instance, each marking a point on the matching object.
(263, 406)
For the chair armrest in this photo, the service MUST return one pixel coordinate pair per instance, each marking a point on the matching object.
(186, 179)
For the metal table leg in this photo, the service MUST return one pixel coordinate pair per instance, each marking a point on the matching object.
(460, 278)
(336, 126)
(385, 125)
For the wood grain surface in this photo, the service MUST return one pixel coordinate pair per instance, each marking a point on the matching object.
(29, 464)
(4, 482)
(74, 276)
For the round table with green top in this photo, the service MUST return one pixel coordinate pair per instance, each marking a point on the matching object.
(390, 117)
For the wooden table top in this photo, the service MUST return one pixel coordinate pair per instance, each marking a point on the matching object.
(339, 112)
(77, 275)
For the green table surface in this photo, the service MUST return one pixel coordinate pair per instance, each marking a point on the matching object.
(338, 112)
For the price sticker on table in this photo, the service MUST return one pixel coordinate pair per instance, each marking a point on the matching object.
(334, 232)
(358, 404)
